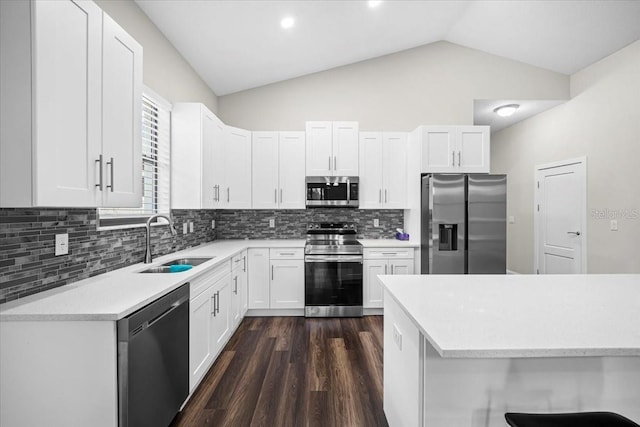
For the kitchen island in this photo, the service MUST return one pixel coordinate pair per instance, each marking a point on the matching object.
(460, 350)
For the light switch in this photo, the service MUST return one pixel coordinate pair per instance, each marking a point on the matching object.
(614, 225)
(185, 228)
(376, 222)
(213, 224)
(190, 226)
(62, 244)
(272, 223)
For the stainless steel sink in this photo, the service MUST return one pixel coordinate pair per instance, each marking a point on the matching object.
(161, 269)
(189, 261)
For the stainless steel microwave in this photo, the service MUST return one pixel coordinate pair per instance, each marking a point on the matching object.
(332, 191)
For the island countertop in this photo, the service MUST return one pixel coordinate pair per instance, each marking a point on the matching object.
(467, 316)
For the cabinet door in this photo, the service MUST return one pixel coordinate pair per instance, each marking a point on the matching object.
(67, 102)
(221, 320)
(243, 285)
(212, 137)
(121, 116)
(345, 149)
(372, 292)
(258, 278)
(395, 167)
(401, 266)
(187, 151)
(200, 336)
(264, 152)
(318, 153)
(370, 153)
(287, 284)
(236, 303)
(291, 166)
(472, 155)
(238, 169)
(438, 149)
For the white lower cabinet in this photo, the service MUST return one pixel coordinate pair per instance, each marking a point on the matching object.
(276, 278)
(378, 261)
(209, 320)
(238, 288)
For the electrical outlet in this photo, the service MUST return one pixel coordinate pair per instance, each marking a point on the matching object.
(62, 244)
(397, 336)
(614, 225)
(272, 223)
(376, 222)
(213, 224)
(190, 226)
(185, 228)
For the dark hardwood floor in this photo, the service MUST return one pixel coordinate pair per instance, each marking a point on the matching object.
(292, 371)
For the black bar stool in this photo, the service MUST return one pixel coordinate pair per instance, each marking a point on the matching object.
(580, 419)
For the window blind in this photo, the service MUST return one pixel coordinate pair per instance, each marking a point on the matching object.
(156, 165)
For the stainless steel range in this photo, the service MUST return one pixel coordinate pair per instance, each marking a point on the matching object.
(333, 271)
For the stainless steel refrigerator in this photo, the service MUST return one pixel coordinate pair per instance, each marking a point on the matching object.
(463, 229)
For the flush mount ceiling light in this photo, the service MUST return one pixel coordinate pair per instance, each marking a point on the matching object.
(374, 3)
(287, 22)
(506, 110)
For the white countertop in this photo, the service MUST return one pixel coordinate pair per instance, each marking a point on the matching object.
(523, 315)
(116, 294)
(388, 243)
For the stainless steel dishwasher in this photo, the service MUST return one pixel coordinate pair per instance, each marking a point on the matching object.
(153, 361)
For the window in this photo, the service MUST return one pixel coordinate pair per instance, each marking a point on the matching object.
(156, 167)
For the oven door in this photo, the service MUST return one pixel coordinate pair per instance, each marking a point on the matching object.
(333, 280)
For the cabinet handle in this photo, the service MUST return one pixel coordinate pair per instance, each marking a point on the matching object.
(335, 163)
(272, 272)
(458, 157)
(385, 195)
(281, 195)
(244, 263)
(391, 268)
(453, 158)
(235, 288)
(216, 195)
(99, 161)
(287, 253)
(380, 196)
(218, 302)
(110, 163)
(228, 192)
(385, 269)
(275, 195)
(213, 297)
(329, 162)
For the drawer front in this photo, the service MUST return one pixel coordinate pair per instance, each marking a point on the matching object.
(208, 278)
(286, 253)
(388, 253)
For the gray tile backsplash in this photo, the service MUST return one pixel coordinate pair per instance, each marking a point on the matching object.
(292, 224)
(27, 239)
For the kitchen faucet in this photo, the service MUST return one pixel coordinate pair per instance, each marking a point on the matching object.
(147, 251)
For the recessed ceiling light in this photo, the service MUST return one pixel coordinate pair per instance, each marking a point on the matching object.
(506, 110)
(287, 22)
(374, 3)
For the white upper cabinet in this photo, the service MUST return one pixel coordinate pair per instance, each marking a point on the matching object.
(265, 170)
(291, 167)
(71, 105)
(237, 159)
(332, 148)
(278, 170)
(197, 139)
(458, 149)
(121, 115)
(383, 170)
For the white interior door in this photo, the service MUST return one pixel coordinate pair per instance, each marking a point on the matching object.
(560, 212)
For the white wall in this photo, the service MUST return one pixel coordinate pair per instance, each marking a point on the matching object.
(601, 122)
(430, 84)
(165, 70)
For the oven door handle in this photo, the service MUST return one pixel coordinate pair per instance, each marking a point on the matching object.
(333, 258)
